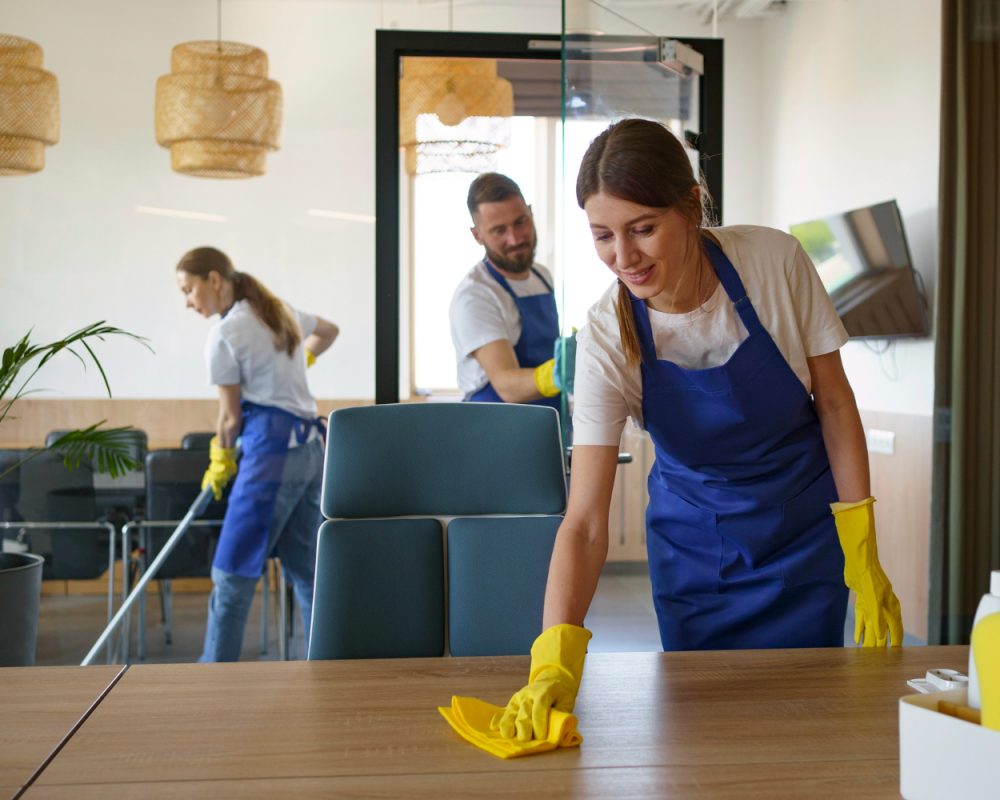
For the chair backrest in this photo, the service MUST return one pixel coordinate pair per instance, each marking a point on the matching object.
(50, 492)
(415, 492)
(173, 481)
(197, 440)
(9, 484)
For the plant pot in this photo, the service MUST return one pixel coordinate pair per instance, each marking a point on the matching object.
(20, 594)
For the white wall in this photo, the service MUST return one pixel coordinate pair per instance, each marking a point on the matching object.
(73, 250)
(850, 111)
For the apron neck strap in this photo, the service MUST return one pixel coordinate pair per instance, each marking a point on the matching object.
(730, 280)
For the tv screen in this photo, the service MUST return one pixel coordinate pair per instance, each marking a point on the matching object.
(864, 262)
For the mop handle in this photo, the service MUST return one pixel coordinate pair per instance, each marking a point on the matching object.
(197, 509)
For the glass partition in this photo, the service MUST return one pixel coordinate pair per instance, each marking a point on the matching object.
(561, 90)
(613, 68)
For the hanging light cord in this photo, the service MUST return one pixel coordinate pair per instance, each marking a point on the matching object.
(218, 25)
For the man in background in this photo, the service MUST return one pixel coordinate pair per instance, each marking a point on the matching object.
(504, 322)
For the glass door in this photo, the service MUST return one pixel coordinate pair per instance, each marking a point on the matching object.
(434, 134)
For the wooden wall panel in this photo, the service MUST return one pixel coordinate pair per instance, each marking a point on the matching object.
(165, 421)
(901, 484)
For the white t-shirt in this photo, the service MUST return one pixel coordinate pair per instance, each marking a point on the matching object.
(482, 311)
(785, 291)
(240, 349)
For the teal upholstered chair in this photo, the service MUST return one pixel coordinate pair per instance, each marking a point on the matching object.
(440, 523)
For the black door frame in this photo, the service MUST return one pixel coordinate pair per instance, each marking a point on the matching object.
(390, 47)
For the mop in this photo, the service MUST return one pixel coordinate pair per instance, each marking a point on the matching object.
(196, 510)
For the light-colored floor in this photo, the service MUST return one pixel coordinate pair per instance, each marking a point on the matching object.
(621, 618)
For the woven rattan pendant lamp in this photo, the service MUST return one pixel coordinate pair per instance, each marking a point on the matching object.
(217, 110)
(453, 114)
(29, 107)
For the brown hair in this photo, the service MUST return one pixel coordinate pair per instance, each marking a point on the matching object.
(491, 187)
(641, 161)
(272, 312)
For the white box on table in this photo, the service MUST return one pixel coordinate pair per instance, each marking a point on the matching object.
(942, 757)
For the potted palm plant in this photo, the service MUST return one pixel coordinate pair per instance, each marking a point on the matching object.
(106, 449)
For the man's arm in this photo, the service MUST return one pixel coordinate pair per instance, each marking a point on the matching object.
(514, 384)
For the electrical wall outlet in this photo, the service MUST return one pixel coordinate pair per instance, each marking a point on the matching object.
(880, 441)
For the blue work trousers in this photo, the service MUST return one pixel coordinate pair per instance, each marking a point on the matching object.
(293, 531)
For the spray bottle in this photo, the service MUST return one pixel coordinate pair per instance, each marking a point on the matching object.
(990, 604)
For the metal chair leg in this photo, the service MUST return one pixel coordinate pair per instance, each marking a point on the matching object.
(265, 599)
(167, 599)
(126, 631)
(111, 584)
(140, 633)
(282, 616)
(290, 632)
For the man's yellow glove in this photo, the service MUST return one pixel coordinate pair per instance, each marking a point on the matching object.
(876, 610)
(545, 380)
(556, 669)
(310, 358)
(221, 467)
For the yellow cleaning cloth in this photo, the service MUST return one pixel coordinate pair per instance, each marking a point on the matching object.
(471, 717)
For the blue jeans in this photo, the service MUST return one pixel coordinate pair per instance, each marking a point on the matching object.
(292, 538)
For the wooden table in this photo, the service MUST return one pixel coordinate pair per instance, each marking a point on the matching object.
(39, 706)
(768, 724)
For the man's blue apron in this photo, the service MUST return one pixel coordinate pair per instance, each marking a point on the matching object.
(539, 331)
(264, 441)
(743, 551)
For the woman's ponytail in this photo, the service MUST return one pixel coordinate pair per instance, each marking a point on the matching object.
(271, 311)
(626, 327)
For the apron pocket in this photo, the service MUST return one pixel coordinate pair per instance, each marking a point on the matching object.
(812, 552)
(684, 547)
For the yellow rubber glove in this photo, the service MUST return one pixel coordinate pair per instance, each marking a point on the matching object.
(876, 610)
(545, 380)
(556, 669)
(310, 358)
(565, 357)
(221, 467)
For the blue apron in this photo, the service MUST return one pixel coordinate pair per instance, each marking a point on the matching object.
(246, 526)
(743, 551)
(539, 331)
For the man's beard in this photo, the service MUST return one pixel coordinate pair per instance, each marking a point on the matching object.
(517, 263)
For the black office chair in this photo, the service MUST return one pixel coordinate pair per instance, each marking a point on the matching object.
(50, 492)
(197, 440)
(123, 497)
(10, 481)
(173, 481)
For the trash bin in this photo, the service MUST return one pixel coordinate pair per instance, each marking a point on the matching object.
(20, 593)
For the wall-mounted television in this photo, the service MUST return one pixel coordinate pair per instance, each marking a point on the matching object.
(864, 262)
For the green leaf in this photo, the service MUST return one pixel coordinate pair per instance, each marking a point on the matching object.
(108, 449)
(104, 449)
